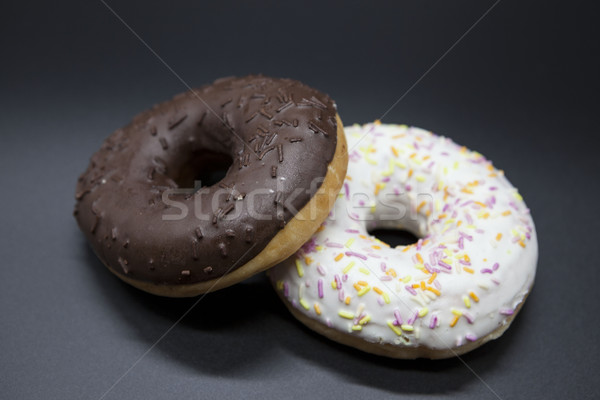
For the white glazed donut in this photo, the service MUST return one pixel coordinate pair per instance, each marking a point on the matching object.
(459, 286)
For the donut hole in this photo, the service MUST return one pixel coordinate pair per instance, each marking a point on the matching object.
(394, 237)
(204, 169)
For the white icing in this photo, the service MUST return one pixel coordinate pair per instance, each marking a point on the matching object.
(461, 200)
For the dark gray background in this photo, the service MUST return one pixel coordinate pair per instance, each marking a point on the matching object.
(521, 88)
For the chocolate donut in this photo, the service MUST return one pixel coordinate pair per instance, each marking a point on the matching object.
(286, 153)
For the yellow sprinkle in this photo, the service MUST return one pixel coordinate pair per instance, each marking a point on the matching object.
(467, 301)
(363, 291)
(304, 304)
(317, 309)
(456, 312)
(378, 187)
(393, 327)
(406, 279)
(386, 298)
(347, 300)
(395, 151)
(454, 321)
(400, 164)
(308, 260)
(420, 178)
(319, 248)
(334, 284)
(365, 319)
(346, 314)
(377, 290)
(423, 312)
(339, 257)
(455, 165)
(348, 267)
(392, 272)
(299, 269)
(356, 327)
(474, 297)
(469, 270)
(518, 196)
(407, 328)
(364, 271)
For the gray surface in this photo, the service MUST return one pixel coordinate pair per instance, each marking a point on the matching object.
(520, 88)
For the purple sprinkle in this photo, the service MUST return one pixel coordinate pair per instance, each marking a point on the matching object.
(513, 205)
(461, 244)
(444, 265)
(446, 207)
(470, 337)
(396, 191)
(347, 190)
(528, 235)
(470, 319)
(480, 231)
(333, 244)
(352, 230)
(497, 282)
(383, 266)
(385, 278)
(493, 188)
(320, 269)
(338, 282)
(469, 219)
(433, 321)
(354, 216)
(468, 237)
(310, 246)
(408, 187)
(328, 322)
(380, 301)
(386, 179)
(341, 295)
(466, 203)
(286, 289)
(444, 153)
(463, 262)
(516, 239)
(486, 271)
(507, 311)
(412, 319)
(361, 202)
(432, 258)
(355, 254)
(307, 283)
(320, 287)
(411, 290)
(437, 284)
(344, 277)
(398, 320)
(419, 244)
(496, 266)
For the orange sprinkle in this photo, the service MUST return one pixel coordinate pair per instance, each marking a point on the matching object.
(348, 177)
(474, 297)
(442, 216)
(480, 204)
(317, 309)
(321, 228)
(392, 272)
(362, 236)
(490, 167)
(459, 223)
(434, 290)
(426, 158)
(376, 247)
(410, 172)
(522, 243)
(484, 216)
(467, 258)
(308, 260)
(404, 250)
(401, 135)
(378, 187)
(423, 203)
(347, 301)
(377, 122)
(432, 278)
(446, 194)
(423, 285)
(339, 257)
(362, 283)
(454, 321)
(416, 286)
(395, 151)
(507, 212)
(413, 155)
(469, 270)
(466, 190)
(498, 237)
(419, 258)
(377, 290)
(357, 286)
(474, 183)
(425, 242)
(492, 175)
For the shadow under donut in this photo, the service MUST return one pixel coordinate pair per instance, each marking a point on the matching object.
(244, 330)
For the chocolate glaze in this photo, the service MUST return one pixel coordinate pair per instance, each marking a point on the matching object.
(280, 134)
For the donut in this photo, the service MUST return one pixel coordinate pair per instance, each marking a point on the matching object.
(459, 286)
(283, 146)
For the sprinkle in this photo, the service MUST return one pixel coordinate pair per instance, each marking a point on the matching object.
(507, 311)
(377, 290)
(423, 312)
(496, 266)
(433, 321)
(386, 298)
(304, 304)
(362, 283)
(363, 291)
(407, 328)
(364, 319)
(419, 258)
(332, 244)
(469, 270)
(346, 314)
(349, 267)
(434, 290)
(470, 337)
(454, 321)
(347, 300)
(486, 271)
(338, 281)
(356, 327)
(474, 297)
(364, 271)
(339, 257)
(469, 317)
(317, 309)
(299, 268)
(396, 330)
(432, 278)
(355, 254)
(320, 288)
(456, 312)
(467, 301)
(395, 151)
(410, 290)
